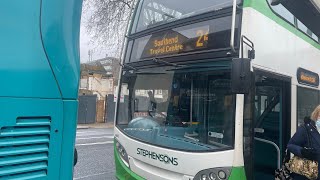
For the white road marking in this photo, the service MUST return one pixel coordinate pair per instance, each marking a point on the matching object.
(84, 132)
(98, 143)
(82, 177)
(94, 134)
(96, 137)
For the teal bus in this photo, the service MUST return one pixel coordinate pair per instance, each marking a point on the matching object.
(214, 89)
(39, 74)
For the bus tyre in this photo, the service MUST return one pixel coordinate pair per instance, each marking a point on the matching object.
(75, 160)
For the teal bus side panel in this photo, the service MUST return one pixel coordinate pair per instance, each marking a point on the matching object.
(60, 27)
(68, 139)
(39, 68)
(24, 69)
(30, 138)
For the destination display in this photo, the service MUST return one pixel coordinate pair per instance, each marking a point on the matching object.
(172, 42)
(307, 77)
(212, 34)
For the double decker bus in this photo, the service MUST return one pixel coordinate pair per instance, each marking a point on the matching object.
(39, 75)
(214, 89)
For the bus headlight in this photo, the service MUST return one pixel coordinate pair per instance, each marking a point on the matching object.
(214, 174)
(222, 174)
(203, 177)
(122, 153)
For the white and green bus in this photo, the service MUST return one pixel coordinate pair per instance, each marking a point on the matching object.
(214, 89)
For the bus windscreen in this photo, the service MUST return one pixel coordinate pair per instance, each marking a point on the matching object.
(185, 109)
(156, 12)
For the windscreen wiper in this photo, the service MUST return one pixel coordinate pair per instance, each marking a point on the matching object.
(199, 67)
(205, 66)
(159, 61)
(127, 66)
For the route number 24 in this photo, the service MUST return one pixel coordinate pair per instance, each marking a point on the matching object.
(202, 38)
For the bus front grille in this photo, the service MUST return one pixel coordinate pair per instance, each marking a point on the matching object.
(24, 149)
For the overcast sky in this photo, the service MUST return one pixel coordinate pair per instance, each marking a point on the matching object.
(85, 46)
(86, 43)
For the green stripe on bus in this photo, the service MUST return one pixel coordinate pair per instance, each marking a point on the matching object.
(122, 171)
(263, 7)
(238, 173)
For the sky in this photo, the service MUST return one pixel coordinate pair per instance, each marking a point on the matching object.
(86, 44)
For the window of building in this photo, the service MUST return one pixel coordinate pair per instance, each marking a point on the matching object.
(159, 92)
(111, 84)
(84, 84)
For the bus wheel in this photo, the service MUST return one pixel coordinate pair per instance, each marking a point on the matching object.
(75, 160)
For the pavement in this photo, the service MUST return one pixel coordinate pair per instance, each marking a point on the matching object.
(95, 152)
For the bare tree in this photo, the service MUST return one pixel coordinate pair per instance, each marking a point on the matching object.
(106, 22)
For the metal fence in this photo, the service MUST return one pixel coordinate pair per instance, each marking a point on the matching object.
(87, 109)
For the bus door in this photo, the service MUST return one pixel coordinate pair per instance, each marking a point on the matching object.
(266, 125)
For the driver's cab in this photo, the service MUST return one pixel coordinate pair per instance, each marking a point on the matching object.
(193, 107)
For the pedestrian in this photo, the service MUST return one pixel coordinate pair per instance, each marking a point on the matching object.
(298, 144)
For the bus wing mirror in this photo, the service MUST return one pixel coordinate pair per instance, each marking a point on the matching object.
(241, 75)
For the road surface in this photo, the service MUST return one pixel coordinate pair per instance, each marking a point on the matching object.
(95, 154)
